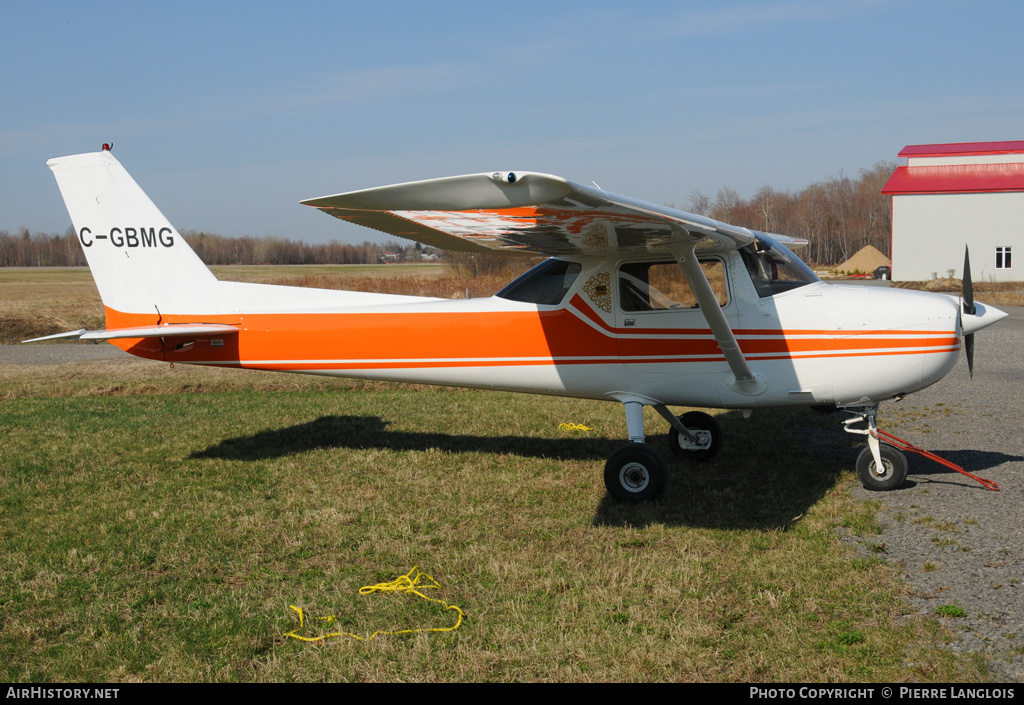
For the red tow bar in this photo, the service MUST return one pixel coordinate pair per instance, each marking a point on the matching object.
(904, 445)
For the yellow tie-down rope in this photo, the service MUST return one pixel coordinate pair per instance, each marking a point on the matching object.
(412, 582)
(573, 427)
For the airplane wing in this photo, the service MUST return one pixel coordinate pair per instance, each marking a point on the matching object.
(527, 212)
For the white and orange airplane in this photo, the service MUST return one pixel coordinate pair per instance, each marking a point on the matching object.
(639, 304)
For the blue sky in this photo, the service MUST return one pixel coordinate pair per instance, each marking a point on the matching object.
(228, 114)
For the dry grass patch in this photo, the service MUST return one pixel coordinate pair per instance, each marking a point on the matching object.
(36, 302)
(40, 301)
(995, 293)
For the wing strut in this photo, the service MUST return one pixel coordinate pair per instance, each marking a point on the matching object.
(745, 380)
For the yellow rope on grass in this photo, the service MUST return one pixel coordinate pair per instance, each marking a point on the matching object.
(412, 582)
(573, 427)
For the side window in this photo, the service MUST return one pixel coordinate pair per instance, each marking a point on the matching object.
(660, 286)
(547, 283)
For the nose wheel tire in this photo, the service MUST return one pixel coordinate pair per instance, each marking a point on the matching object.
(635, 473)
(707, 433)
(894, 468)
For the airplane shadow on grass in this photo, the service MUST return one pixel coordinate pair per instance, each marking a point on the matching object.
(361, 432)
(753, 483)
(772, 469)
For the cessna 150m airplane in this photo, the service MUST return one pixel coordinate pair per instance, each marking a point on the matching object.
(641, 304)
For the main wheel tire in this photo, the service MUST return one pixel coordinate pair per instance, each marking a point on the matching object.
(707, 431)
(894, 462)
(635, 473)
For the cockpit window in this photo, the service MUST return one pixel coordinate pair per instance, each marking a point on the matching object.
(658, 286)
(545, 284)
(774, 269)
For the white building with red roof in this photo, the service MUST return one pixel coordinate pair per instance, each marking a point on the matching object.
(951, 195)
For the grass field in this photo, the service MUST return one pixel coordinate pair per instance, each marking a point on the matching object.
(156, 524)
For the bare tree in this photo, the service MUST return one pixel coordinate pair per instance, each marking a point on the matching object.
(699, 203)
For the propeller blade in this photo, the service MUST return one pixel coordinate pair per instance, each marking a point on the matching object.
(969, 348)
(967, 307)
(968, 287)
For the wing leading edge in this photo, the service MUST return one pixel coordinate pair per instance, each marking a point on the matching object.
(528, 212)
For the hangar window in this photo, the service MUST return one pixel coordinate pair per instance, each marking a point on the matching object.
(657, 286)
(1003, 258)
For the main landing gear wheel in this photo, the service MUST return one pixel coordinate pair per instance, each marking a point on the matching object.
(635, 473)
(707, 433)
(894, 464)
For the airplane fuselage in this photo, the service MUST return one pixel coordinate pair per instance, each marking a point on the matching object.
(815, 344)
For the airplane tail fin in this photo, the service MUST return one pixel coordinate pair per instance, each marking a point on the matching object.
(141, 264)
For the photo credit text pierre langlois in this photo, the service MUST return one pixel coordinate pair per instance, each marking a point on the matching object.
(850, 692)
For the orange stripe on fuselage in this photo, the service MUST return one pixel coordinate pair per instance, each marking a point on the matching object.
(369, 340)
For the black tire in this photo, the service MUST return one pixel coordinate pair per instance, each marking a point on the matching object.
(635, 473)
(709, 436)
(893, 460)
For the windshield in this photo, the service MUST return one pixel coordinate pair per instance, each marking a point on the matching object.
(774, 269)
(547, 283)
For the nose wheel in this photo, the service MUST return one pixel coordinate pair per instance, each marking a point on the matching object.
(889, 476)
(881, 467)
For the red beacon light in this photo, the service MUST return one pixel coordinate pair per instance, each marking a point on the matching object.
(108, 146)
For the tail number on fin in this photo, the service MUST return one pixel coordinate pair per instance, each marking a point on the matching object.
(130, 237)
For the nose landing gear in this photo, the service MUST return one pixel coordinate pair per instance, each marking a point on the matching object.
(882, 465)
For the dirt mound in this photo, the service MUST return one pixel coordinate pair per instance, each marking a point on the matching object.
(865, 262)
(944, 284)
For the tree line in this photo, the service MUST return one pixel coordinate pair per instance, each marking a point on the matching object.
(28, 249)
(837, 216)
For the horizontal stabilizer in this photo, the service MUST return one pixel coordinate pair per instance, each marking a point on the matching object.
(170, 330)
